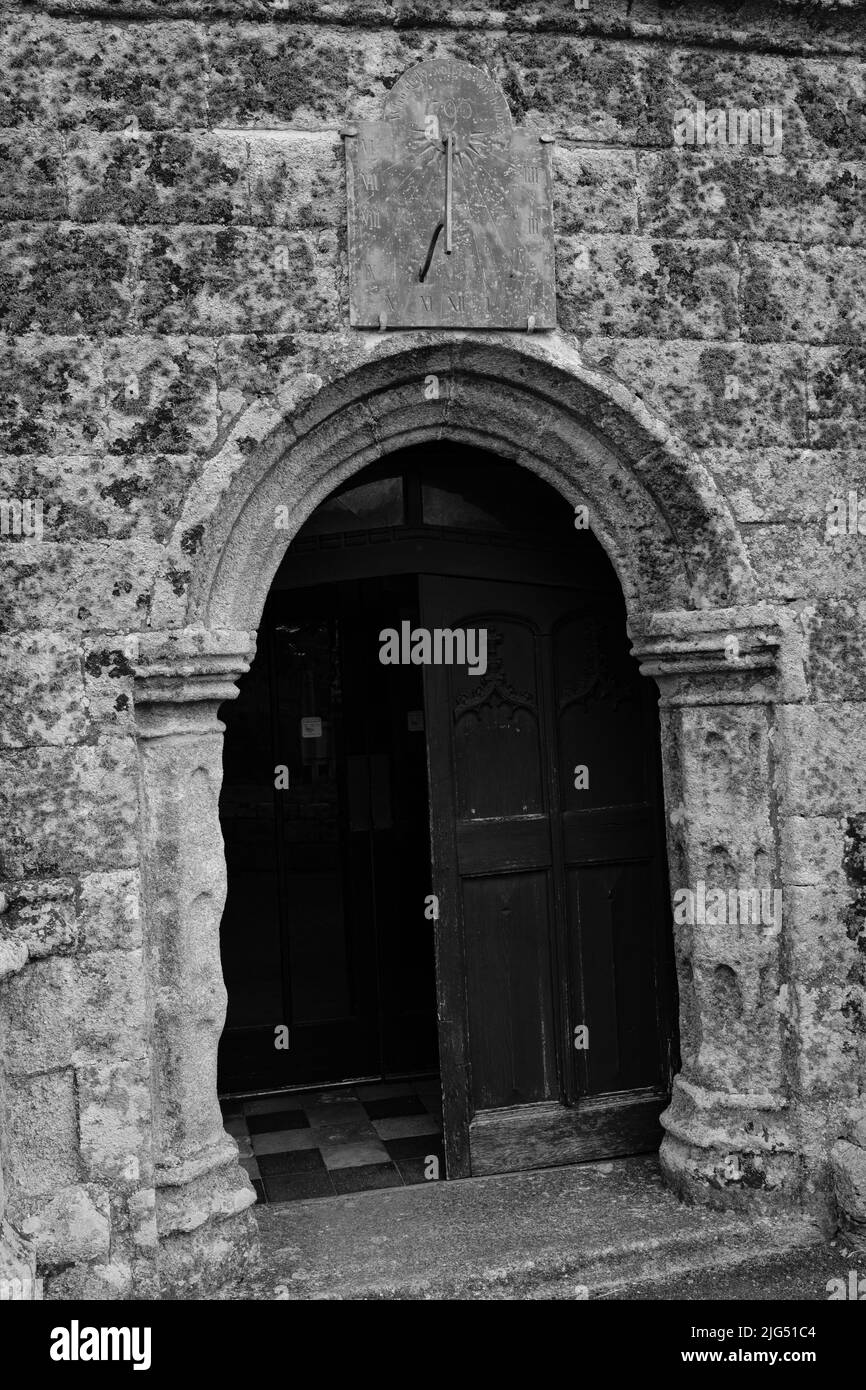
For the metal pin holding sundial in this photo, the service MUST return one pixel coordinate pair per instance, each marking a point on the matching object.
(449, 159)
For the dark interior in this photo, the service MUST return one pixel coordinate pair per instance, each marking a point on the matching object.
(324, 930)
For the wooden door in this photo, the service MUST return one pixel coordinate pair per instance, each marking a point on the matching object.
(552, 895)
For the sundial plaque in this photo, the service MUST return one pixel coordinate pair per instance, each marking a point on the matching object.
(450, 208)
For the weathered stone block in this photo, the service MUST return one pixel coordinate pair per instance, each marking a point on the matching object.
(18, 1276)
(141, 1209)
(218, 1195)
(821, 752)
(837, 397)
(25, 72)
(822, 951)
(836, 655)
(279, 76)
(41, 1134)
(49, 395)
(633, 287)
(714, 394)
(260, 365)
(44, 690)
(163, 178)
(114, 1120)
(126, 76)
(830, 104)
(817, 99)
(736, 991)
(97, 1280)
(108, 687)
(810, 294)
(70, 808)
(786, 485)
(39, 917)
(857, 1124)
(584, 88)
(66, 280)
(114, 496)
(722, 192)
(71, 1226)
(111, 1006)
(594, 191)
(297, 180)
(791, 560)
(110, 910)
(812, 850)
(67, 1010)
(239, 280)
(31, 177)
(833, 202)
(160, 395)
(40, 1005)
(105, 585)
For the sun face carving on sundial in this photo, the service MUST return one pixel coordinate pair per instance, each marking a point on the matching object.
(450, 214)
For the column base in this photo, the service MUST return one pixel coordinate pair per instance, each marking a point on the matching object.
(210, 1262)
(731, 1152)
(208, 1238)
(848, 1169)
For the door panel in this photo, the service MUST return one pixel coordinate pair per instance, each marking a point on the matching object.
(553, 911)
(614, 968)
(512, 1059)
(497, 739)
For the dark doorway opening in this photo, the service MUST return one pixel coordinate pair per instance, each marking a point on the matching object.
(355, 792)
(325, 817)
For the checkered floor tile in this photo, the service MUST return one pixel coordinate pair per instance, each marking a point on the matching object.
(325, 1143)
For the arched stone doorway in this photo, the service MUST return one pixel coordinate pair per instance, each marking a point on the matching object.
(721, 662)
(549, 918)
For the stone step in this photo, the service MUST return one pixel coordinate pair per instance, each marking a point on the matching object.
(584, 1231)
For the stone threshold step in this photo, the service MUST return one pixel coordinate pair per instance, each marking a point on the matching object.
(583, 1231)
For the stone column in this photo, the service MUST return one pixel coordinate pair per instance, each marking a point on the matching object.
(206, 1235)
(729, 1139)
(17, 1264)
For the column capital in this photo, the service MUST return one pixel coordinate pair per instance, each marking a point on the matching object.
(706, 656)
(181, 677)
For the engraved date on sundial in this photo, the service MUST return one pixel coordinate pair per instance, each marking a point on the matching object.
(450, 209)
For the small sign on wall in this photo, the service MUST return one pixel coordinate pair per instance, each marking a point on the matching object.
(311, 727)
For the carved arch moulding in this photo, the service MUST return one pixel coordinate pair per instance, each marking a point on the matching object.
(723, 662)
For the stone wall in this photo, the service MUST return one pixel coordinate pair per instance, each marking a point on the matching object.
(173, 283)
